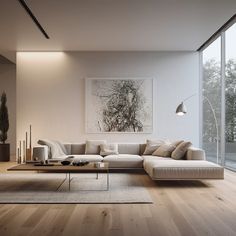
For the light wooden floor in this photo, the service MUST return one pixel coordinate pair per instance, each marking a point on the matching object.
(180, 208)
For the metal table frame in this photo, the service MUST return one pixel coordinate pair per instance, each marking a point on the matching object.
(68, 176)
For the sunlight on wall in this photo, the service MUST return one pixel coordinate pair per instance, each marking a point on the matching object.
(39, 74)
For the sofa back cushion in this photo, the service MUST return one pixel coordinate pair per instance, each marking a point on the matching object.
(129, 148)
(123, 148)
(195, 154)
(93, 146)
(68, 148)
(142, 148)
(109, 149)
(77, 149)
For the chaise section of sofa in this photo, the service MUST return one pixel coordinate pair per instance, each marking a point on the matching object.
(170, 169)
(193, 167)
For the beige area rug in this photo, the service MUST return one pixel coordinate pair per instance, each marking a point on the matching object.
(85, 188)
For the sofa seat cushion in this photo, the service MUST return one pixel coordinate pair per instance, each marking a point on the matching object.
(124, 161)
(87, 157)
(149, 158)
(183, 169)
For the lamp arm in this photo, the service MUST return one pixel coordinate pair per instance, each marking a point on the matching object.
(210, 104)
(189, 97)
(216, 124)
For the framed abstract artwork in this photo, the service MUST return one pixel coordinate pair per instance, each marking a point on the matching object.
(119, 105)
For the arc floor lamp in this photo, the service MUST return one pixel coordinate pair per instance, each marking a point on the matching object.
(182, 110)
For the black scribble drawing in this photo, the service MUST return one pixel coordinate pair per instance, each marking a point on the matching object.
(123, 106)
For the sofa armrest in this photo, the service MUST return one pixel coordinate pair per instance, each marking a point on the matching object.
(195, 154)
(40, 153)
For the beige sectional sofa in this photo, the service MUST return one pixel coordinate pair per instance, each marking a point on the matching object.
(194, 165)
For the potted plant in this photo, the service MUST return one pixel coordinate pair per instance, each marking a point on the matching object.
(4, 126)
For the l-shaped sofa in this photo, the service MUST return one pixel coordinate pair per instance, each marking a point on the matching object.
(193, 166)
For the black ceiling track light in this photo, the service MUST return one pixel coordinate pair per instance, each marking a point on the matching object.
(27, 9)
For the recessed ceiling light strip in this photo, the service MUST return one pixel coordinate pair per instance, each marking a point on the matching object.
(27, 9)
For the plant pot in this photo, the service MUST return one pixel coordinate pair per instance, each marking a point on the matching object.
(5, 152)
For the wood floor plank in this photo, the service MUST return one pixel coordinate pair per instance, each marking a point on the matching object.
(60, 220)
(73, 225)
(36, 216)
(47, 222)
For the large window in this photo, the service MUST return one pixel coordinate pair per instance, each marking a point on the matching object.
(219, 98)
(211, 100)
(230, 97)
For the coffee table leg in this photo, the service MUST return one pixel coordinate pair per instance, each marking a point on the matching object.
(107, 179)
(97, 176)
(69, 181)
(63, 181)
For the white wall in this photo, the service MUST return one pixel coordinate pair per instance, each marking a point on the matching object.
(8, 84)
(51, 92)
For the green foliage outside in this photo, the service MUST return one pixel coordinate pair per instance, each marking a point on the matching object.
(212, 90)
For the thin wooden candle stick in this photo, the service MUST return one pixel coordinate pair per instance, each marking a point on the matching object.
(30, 138)
(26, 148)
(30, 151)
(20, 151)
(25, 151)
(18, 155)
(26, 139)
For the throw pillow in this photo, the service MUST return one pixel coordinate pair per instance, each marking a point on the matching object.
(180, 150)
(109, 149)
(177, 142)
(164, 150)
(56, 148)
(152, 145)
(93, 146)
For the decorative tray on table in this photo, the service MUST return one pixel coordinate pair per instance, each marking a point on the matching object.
(80, 163)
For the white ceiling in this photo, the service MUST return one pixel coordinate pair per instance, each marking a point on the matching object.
(114, 25)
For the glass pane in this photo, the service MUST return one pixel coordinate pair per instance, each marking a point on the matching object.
(211, 102)
(230, 97)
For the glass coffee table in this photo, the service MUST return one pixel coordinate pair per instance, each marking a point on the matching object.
(92, 167)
